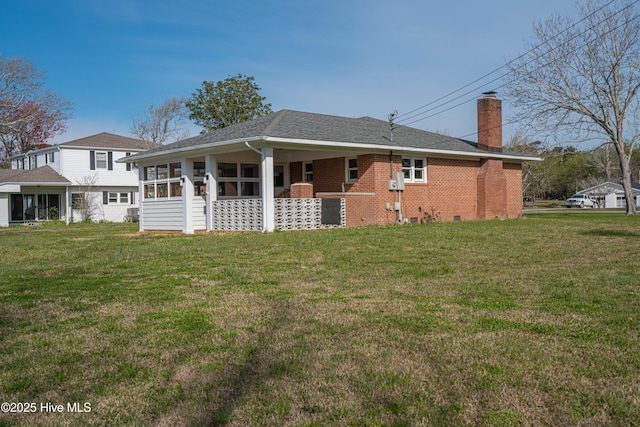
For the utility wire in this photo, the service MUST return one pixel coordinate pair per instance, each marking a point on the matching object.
(403, 117)
(504, 84)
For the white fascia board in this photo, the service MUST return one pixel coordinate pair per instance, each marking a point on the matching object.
(189, 149)
(78, 147)
(386, 148)
(9, 187)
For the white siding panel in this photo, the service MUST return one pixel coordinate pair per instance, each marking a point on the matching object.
(4, 210)
(162, 215)
(198, 215)
(76, 167)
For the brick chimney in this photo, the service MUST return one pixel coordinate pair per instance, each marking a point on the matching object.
(490, 123)
(491, 180)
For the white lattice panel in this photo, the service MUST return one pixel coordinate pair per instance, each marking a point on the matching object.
(303, 214)
(297, 214)
(237, 215)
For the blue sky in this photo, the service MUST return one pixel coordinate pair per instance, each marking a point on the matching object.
(354, 58)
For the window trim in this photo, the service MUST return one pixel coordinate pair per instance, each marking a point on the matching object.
(349, 169)
(307, 174)
(412, 169)
(239, 180)
(172, 191)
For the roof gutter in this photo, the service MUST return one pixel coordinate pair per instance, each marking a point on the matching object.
(150, 155)
(480, 154)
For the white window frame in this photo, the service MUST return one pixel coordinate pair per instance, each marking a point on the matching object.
(238, 180)
(411, 169)
(349, 169)
(169, 181)
(307, 176)
(99, 161)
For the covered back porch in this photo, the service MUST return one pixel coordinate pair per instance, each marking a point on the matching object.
(239, 189)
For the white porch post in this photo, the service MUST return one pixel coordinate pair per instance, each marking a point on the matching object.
(68, 207)
(210, 170)
(187, 196)
(266, 189)
(141, 199)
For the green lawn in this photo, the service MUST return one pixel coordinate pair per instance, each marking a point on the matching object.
(498, 323)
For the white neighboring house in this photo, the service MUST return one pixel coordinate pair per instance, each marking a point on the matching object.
(55, 181)
(611, 194)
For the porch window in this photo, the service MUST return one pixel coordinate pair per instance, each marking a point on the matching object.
(199, 187)
(307, 170)
(238, 180)
(163, 181)
(352, 169)
(414, 169)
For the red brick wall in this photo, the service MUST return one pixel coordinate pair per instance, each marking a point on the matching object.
(513, 172)
(451, 189)
(492, 190)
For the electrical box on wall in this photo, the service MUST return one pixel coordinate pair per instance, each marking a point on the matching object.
(393, 184)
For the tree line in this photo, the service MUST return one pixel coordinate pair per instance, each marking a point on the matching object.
(565, 170)
(31, 114)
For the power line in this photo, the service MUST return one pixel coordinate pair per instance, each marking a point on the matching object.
(494, 71)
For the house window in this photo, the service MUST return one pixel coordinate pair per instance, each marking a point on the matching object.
(307, 171)
(238, 180)
(114, 197)
(414, 169)
(199, 187)
(163, 181)
(352, 169)
(101, 160)
(76, 200)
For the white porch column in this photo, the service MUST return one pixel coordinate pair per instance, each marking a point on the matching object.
(210, 170)
(187, 196)
(68, 207)
(140, 198)
(266, 189)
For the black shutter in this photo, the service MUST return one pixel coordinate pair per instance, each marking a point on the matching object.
(110, 160)
(105, 197)
(92, 160)
(128, 164)
(133, 196)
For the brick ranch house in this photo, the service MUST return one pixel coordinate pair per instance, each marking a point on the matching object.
(296, 170)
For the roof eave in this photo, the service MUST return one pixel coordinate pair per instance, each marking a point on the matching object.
(360, 146)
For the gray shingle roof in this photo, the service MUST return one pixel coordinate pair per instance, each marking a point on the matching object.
(297, 125)
(106, 140)
(43, 174)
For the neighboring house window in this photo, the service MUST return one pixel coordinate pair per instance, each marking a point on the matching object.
(307, 170)
(352, 169)
(76, 200)
(163, 181)
(128, 164)
(114, 197)
(100, 160)
(52, 156)
(414, 169)
(238, 180)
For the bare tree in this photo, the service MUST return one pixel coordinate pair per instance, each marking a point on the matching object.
(580, 80)
(162, 124)
(85, 203)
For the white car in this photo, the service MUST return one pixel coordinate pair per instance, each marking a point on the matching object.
(581, 201)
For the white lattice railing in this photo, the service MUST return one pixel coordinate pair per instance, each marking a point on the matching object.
(237, 214)
(290, 214)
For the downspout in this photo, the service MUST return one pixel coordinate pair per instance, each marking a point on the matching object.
(252, 148)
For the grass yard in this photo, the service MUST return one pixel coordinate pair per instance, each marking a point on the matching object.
(497, 323)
